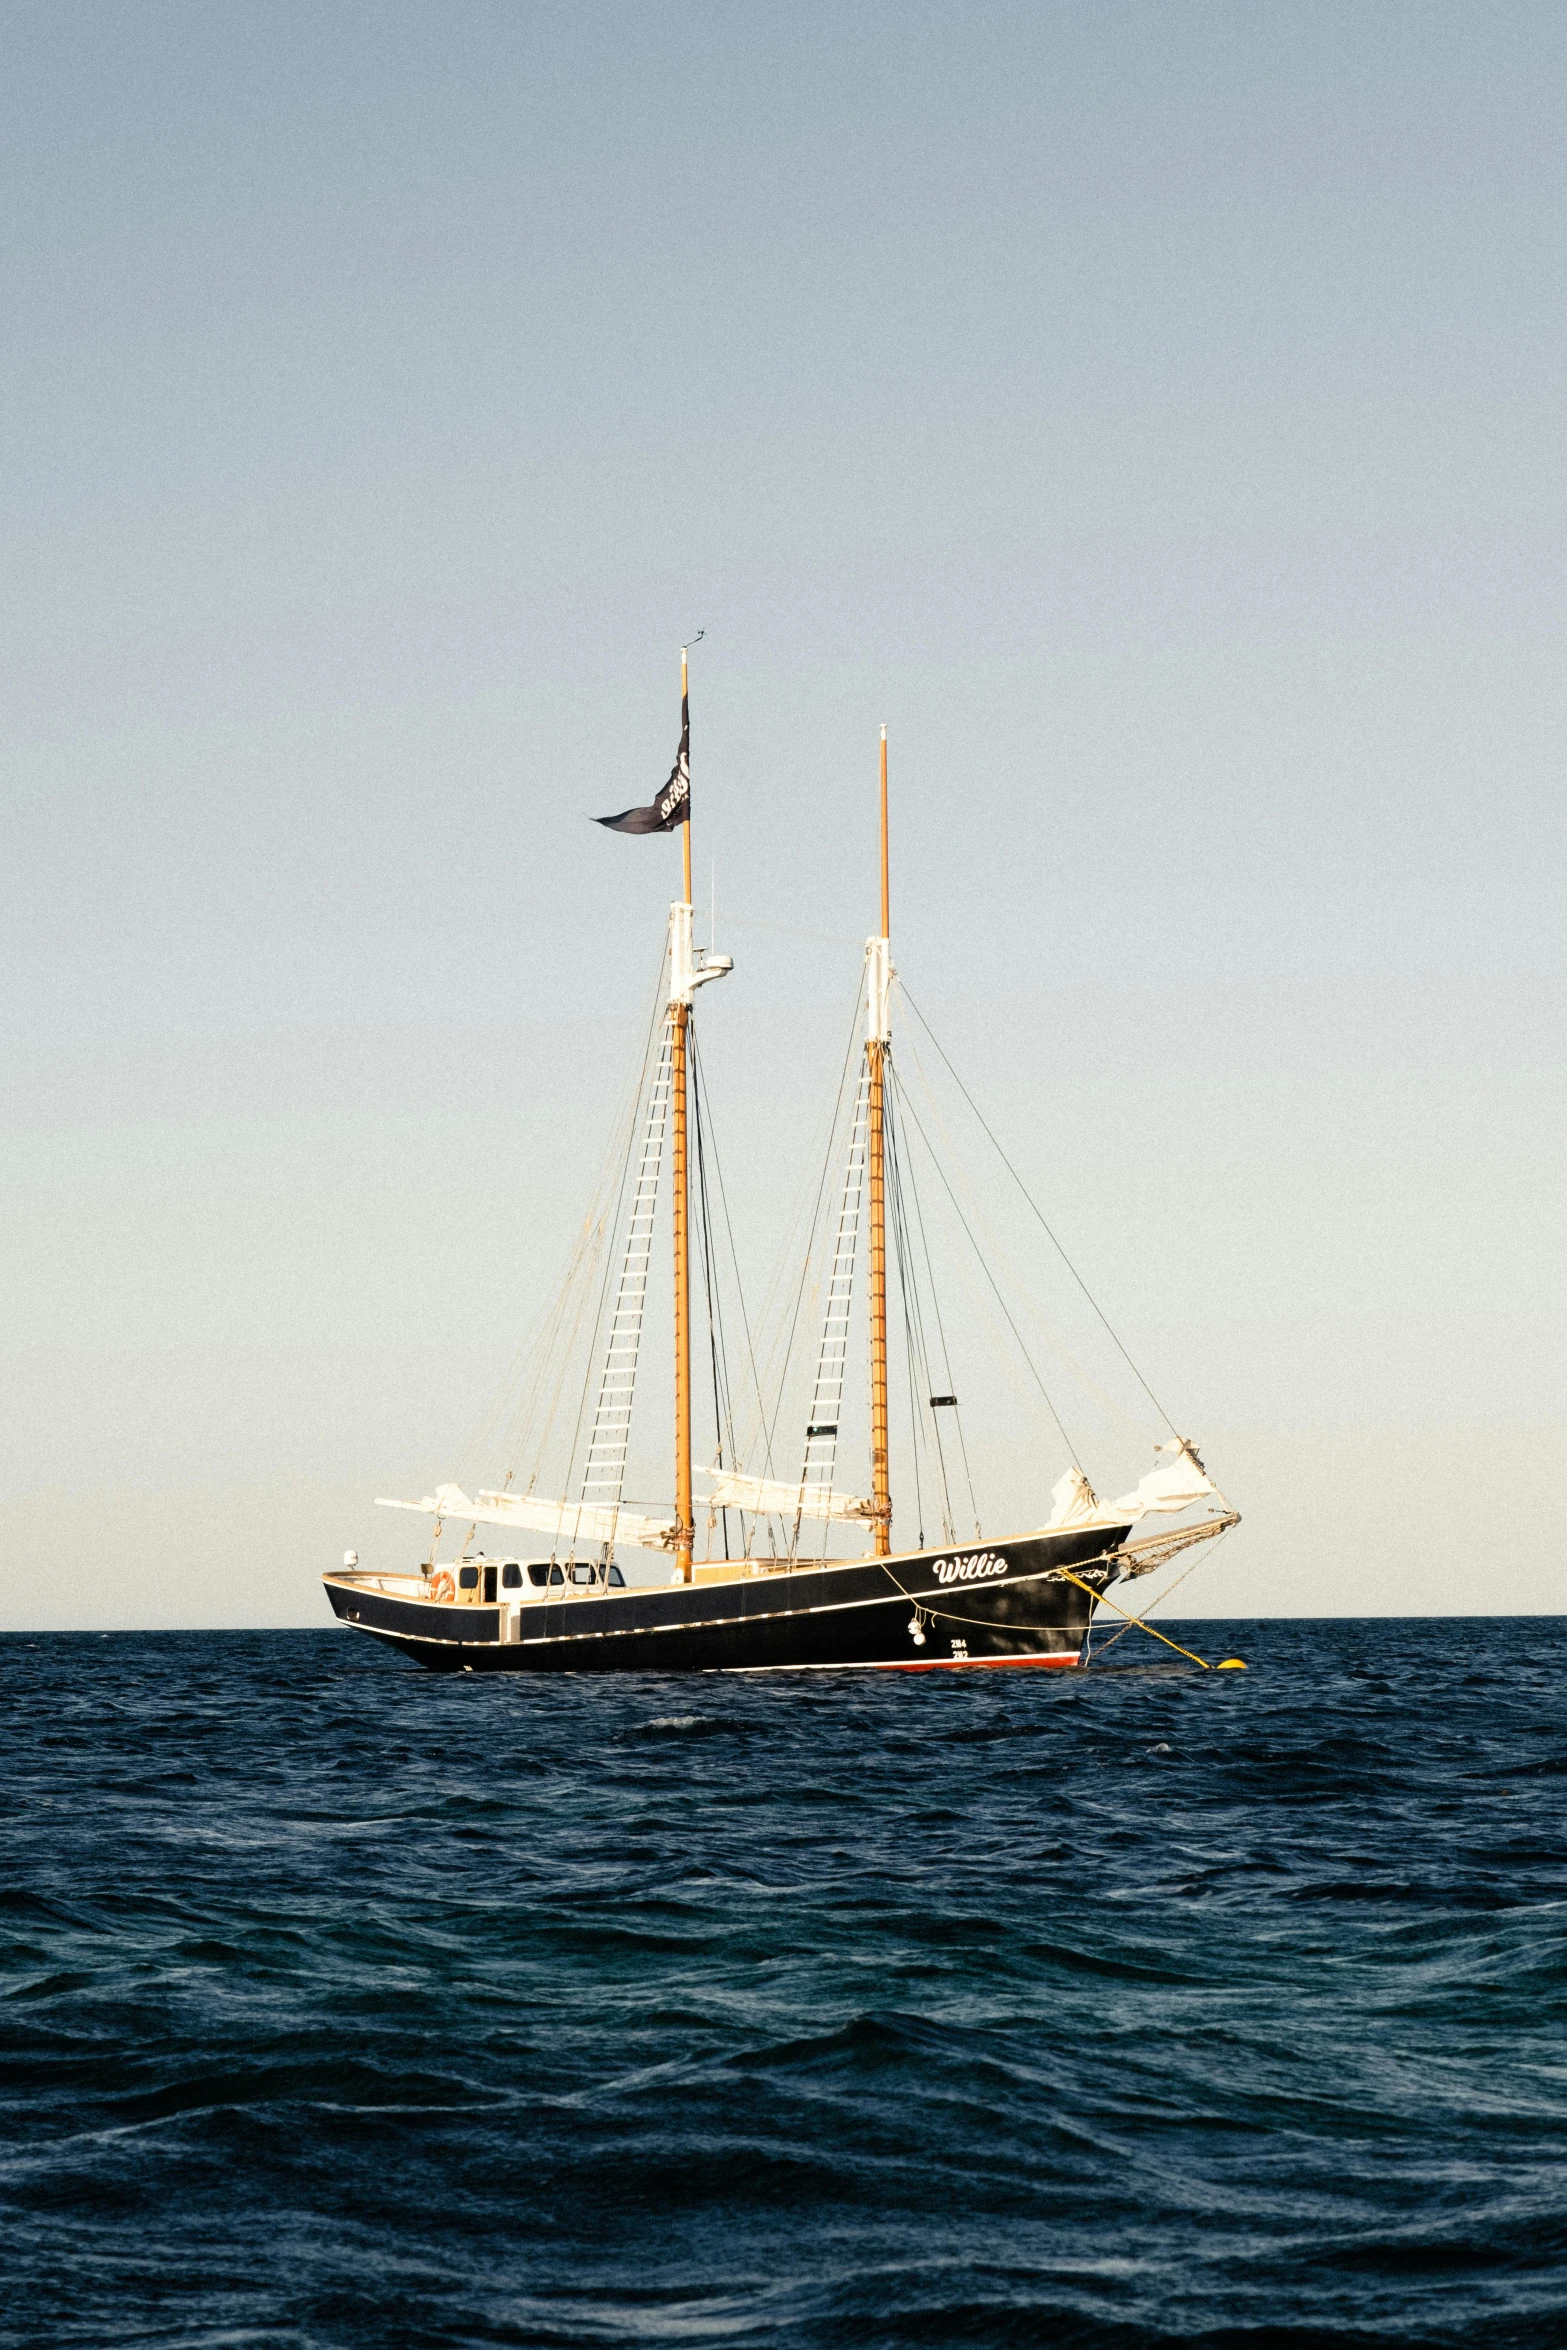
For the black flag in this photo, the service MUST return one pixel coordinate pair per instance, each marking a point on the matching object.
(673, 804)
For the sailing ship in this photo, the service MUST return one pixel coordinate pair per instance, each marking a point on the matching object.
(559, 1600)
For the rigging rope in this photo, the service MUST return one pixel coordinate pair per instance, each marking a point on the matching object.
(946, 1357)
(1040, 1217)
(850, 1060)
(1158, 1601)
(745, 1324)
(653, 1030)
(542, 1362)
(906, 1228)
(912, 1334)
(1020, 1290)
(1072, 1453)
(1104, 1597)
(904, 1191)
(723, 1416)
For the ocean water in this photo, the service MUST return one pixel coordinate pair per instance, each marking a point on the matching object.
(345, 2005)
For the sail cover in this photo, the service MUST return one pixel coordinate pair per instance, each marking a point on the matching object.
(563, 1521)
(773, 1497)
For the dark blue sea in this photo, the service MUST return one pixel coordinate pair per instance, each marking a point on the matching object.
(345, 2005)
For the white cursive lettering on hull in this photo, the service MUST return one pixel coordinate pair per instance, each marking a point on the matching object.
(976, 1566)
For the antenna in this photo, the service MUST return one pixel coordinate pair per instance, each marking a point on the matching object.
(886, 904)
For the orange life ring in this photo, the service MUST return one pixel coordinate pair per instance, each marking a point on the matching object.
(442, 1585)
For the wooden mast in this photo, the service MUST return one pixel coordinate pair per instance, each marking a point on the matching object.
(876, 1048)
(679, 1023)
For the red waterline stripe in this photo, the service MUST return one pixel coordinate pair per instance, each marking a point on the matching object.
(951, 1664)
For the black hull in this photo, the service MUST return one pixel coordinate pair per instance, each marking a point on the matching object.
(996, 1603)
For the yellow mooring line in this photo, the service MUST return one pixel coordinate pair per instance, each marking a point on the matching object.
(1230, 1664)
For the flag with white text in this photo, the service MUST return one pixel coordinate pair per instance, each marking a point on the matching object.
(673, 804)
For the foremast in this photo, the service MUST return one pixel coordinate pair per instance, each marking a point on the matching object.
(878, 1045)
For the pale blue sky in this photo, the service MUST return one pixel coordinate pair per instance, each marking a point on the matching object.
(1153, 413)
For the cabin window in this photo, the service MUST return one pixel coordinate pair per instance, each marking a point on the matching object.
(468, 1578)
(583, 1575)
(557, 1574)
(511, 1576)
(538, 1573)
(617, 1581)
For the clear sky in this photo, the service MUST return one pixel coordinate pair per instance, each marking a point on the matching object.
(1154, 413)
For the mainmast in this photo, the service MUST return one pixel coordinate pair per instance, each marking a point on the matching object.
(878, 1044)
(686, 974)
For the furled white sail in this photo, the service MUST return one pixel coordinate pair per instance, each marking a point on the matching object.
(1163, 1491)
(1076, 1503)
(563, 1521)
(773, 1497)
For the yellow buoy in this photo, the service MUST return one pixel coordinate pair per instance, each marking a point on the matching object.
(1232, 1664)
